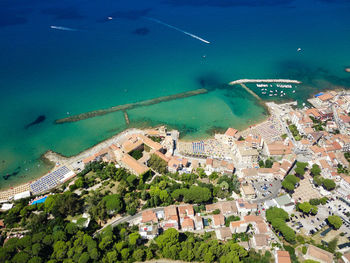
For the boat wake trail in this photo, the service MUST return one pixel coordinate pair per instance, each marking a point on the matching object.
(178, 29)
(63, 28)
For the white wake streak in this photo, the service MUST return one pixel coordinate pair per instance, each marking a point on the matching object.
(63, 28)
(178, 29)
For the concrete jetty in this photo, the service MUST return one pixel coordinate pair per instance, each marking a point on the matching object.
(130, 106)
(242, 81)
(250, 91)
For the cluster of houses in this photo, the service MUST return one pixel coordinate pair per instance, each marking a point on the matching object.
(326, 147)
(184, 218)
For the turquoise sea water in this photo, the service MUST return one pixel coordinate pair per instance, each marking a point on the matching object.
(102, 63)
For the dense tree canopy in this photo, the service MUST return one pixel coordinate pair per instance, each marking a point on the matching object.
(335, 221)
(289, 182)
(277, 217)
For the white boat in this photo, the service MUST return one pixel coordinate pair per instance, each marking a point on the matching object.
(293, 91)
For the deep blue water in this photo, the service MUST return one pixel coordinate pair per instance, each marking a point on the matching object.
(103, 62)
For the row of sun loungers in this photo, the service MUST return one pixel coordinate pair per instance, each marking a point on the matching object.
(50, 180)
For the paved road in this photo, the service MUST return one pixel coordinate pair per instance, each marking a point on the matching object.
(126, 219)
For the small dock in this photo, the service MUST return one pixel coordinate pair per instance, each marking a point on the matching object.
(130, 106)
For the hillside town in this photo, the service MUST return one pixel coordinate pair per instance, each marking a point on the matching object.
(281, 186)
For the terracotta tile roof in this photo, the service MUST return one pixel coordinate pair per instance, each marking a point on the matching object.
(336, 146)
(137, 167)
(347, 255)
(313, 112)
(279, 148)
(283, 257)
(209, 161)
(174, 163)
(211, 207)
(2, 223)
(305, 142)
(186, 210)
(218, 220)
(345, 118)
(162, 156)
(149, 142)
(230, 167)
(225, 232)
(187, 223)
(316, 149)
(325, 97)
(89, 159)
(286, 165)
(250, 172)
(252, 218)
(231, 132)
(266, 170)
(132, 143)
(319, 254)
(228, 207)
(114, 147)
(170, 211)
(261, 240)
(148, 216)
(262, 227)
(324, 164)
(236, 223)
(346, 178)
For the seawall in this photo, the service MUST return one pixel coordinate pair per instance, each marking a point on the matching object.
(129, 106)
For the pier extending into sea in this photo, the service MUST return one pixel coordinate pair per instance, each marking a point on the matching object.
(242, 81)
(130, 106)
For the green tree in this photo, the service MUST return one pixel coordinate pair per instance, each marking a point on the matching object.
(35, 259)
(113, 203)
(335, 221)
(209, 257)
(315, 170)
(21, 257)
(328, 184)
(139, 255)
(133, 238)
(125, 253)
(305, 207)
(60, 250)
(318, 180)
(84, 258)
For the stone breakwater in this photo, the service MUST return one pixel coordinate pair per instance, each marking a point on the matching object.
(130, 106)
(242, 81)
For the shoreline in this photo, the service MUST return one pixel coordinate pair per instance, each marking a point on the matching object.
(51, 157)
